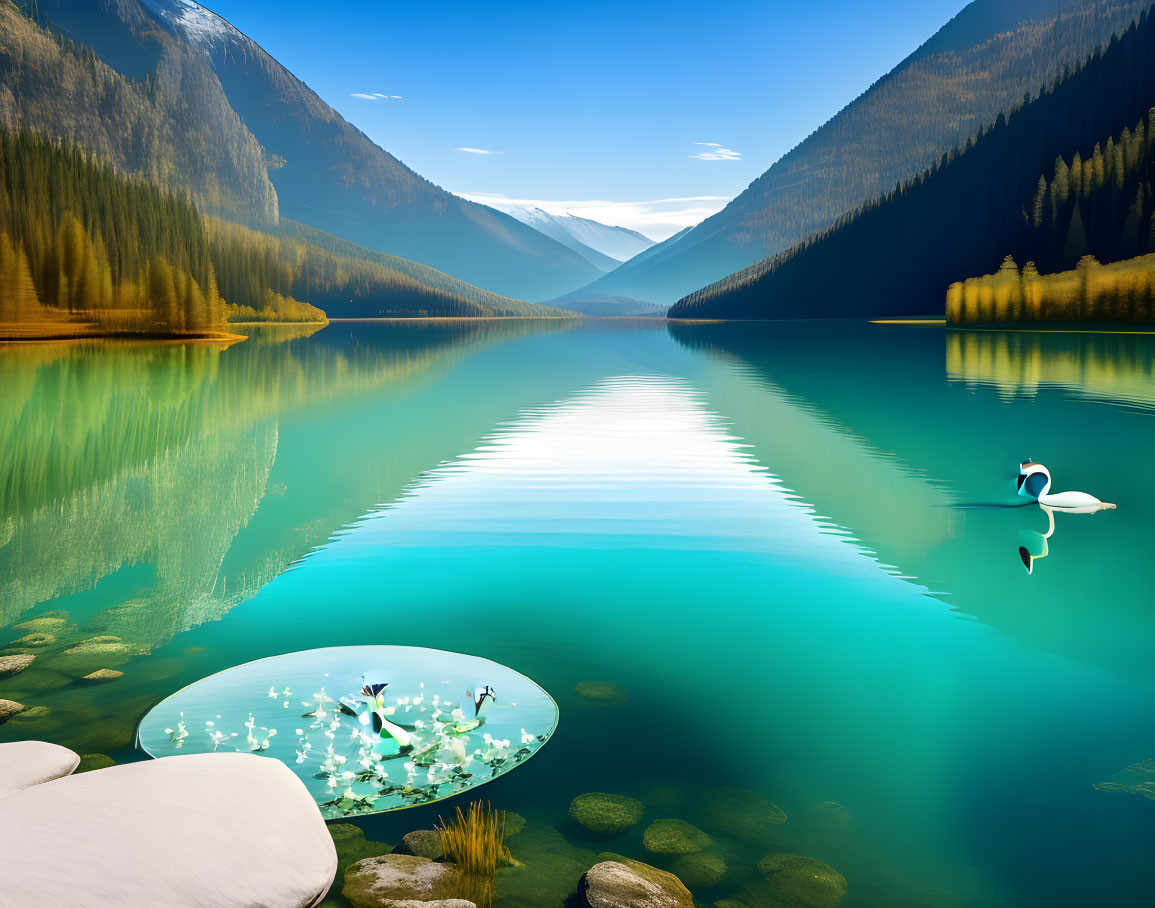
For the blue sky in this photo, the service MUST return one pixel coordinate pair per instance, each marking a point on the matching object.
(594, 107)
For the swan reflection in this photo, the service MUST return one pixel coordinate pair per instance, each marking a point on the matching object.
(1034, 482)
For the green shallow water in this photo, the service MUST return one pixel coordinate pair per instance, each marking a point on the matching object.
(789, 545)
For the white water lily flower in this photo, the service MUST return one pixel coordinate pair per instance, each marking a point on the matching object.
(332, 782)
(272, 692)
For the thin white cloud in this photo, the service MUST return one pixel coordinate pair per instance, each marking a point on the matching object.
(720, 153)
(656, 218)
(358, 94)
(374, 96)
(479, 151)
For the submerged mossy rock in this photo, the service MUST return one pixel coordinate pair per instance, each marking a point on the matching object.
(743, 814)
(14, 665)
(618, 882)
(387, 878)
(670, 798)
(514, 822)
(31, 714)
(425, 843)
(36, 640)
(8, 709)
(37, 680)
(44, 623)
(701, 870)
(545, 872)
(606, 814)
(1136, 779)
(352, 846)
(103, 674)
(106, 732)
(92, 654)
(89, 762)
(604, 692)
(828, 816)
(674, 837)
(799, 882)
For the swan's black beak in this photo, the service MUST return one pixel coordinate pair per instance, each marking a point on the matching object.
(1028, 561)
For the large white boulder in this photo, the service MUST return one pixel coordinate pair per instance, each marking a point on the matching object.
(203, 830)
(27, 763)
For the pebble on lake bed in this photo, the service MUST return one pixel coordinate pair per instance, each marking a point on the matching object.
(674, 837)
(8, 709)
(604, 692)
(606, 814)
(424, 843)
(89, 762)
(700, 870)
(742, 813)
(389, 878)
(34, 640)
(104, 674)
(13, 665)
(795, 880)
(623, 883)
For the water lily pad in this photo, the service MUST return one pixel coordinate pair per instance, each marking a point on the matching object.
(441, 724)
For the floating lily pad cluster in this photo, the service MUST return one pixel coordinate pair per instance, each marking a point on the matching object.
(380, 728)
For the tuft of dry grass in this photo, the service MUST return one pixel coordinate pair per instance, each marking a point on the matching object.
(475, 840)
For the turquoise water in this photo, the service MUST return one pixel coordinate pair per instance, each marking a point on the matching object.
(794, 547)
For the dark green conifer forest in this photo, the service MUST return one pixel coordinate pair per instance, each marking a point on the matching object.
(1004, 193)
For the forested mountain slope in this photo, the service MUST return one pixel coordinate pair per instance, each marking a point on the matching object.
(1023, 188)
(173, 125)
(978, 65)
(84, 249)
(168, 89)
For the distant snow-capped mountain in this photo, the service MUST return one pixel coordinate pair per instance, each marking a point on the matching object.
(603, 245)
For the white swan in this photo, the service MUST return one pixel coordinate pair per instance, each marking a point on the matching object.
(1035, 483)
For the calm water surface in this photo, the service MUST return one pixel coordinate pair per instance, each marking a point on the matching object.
(790, 545)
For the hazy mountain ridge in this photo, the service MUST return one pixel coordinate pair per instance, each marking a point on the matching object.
(974, 68)
(335, 178)
(604, 245)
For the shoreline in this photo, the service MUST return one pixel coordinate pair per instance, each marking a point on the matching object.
(148, 336)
